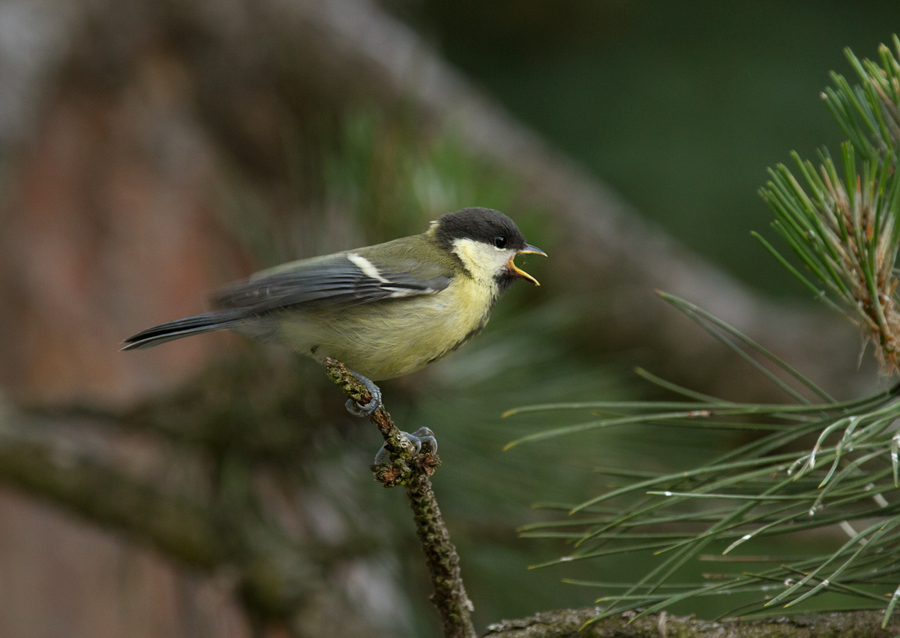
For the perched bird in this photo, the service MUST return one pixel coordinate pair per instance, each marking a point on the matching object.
(384, 310)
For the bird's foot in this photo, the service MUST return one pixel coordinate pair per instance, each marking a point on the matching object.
(416, 439)
(365, 409)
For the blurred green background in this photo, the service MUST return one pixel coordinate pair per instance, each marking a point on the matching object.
(681, 106)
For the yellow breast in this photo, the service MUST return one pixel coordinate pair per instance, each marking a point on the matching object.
(394, 337)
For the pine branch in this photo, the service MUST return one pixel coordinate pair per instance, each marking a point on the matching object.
(843, 224)
(765, 488)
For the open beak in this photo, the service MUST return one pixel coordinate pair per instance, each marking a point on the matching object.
(528, 250)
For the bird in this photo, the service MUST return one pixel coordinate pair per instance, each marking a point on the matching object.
(384, 311)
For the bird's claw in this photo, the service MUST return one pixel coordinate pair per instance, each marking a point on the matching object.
(362, 409)
(416, 439)
(365, 409)
(420, 436)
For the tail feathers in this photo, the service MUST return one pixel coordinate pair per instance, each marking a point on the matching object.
(186, 327)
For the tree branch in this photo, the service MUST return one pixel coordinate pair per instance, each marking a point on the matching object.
(406, 467)
(571, 622)
(180, 529)
(270, 573)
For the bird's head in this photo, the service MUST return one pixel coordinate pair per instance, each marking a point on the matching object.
(486, 242)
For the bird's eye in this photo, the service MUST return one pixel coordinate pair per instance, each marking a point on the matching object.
(500, 241)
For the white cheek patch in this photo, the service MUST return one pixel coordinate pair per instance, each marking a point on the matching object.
(481, 260)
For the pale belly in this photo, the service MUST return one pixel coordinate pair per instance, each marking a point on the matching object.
(393, 337)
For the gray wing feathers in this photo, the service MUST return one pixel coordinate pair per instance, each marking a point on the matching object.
(339, 280)
(336, 282)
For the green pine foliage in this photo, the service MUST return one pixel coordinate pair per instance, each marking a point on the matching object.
(817, 470)
(843, 223)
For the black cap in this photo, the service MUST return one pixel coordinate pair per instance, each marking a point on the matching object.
(480, 224)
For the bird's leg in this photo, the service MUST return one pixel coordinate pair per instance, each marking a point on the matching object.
(359, 409)
(406, 460)
(417, 438)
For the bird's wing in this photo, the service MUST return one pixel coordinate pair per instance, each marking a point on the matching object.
(343, 279)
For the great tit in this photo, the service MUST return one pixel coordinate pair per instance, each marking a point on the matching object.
(384, 310)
